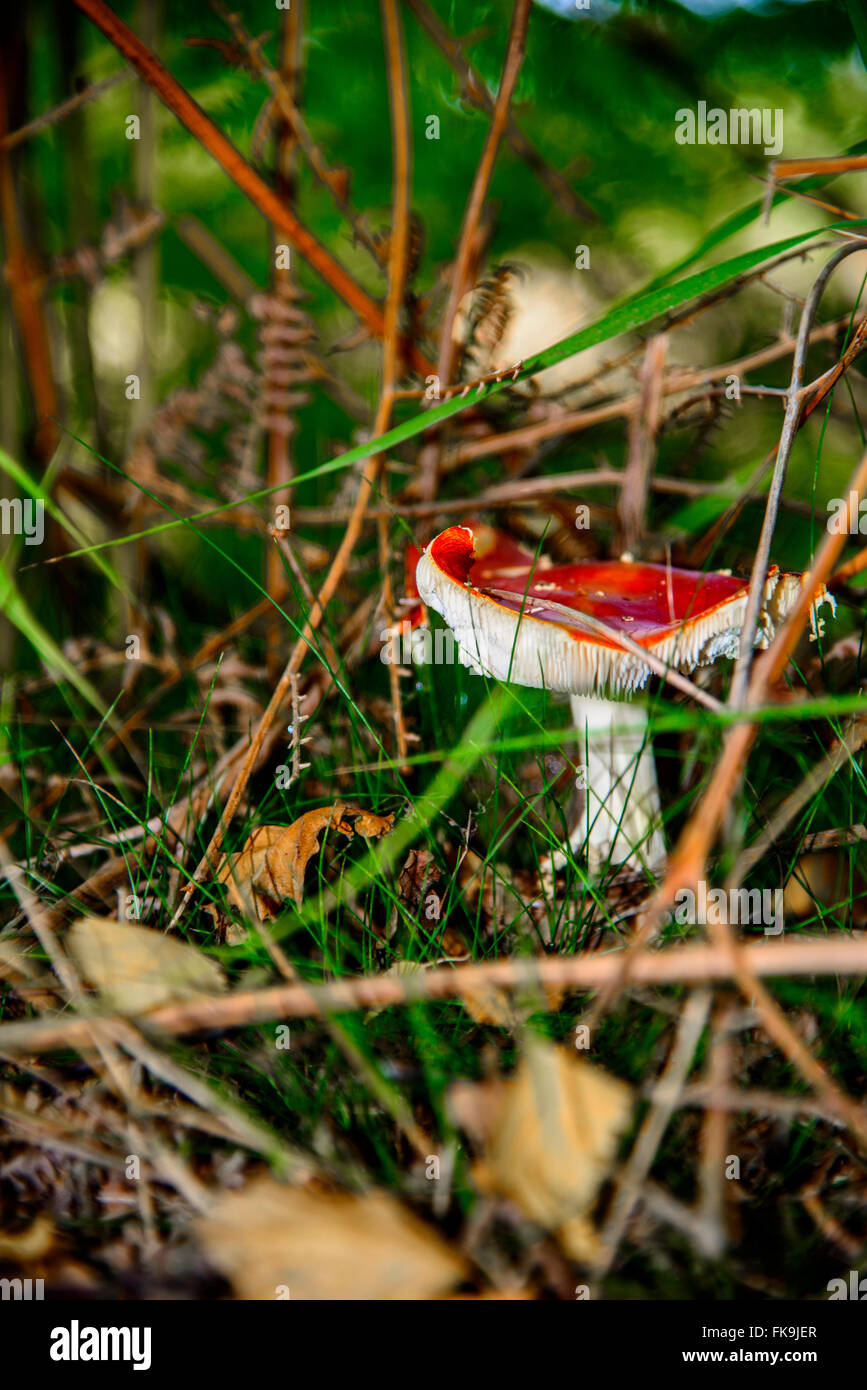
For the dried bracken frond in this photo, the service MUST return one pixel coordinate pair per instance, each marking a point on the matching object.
(287, 364)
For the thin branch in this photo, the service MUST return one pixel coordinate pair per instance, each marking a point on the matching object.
(476, 92)
(737, 694)
(643, 429)
(714, 1136)
(397, 262)
(676, 381)
(529, 490)
(399, 241)
(65, 108)
(666, 1099)
(827, 164)
(334, 180)
(202, 128)
(697, 963)
(24, 275)
(460, 276)
(734, 1099)
(468, 239)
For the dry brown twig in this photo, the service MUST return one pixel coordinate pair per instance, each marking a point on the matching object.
(666, 1099)
(529, 491)
(477, 94)
(399, 248)
(335, 180)
(845, 749)
(173, 95)
(462, 268)
(643, 427)
(676, 380)
(102, 1036)
(688, 862)
(65, 108)
(695, 964)
(398, 252)
(794, 407)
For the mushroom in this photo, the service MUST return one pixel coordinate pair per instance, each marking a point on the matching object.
(522, 619)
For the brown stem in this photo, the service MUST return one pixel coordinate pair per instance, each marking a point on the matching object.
(26, 281)
(279, 462)
(677, 965)
(397, 261)
(477, 94)
(468, 240)
(688, 862)
(202, 128)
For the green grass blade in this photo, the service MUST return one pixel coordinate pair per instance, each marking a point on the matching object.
(623, 318)
(36, 490)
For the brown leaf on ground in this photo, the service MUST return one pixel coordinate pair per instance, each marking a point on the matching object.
(416, 877)
(135, 969)
(549, 1135)
(271, 866)
(273, 1241)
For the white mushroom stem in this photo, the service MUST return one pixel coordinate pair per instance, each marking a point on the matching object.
(621, 822)
(538, 641)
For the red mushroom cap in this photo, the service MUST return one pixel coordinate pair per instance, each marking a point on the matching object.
(415, 613)
(520, 619)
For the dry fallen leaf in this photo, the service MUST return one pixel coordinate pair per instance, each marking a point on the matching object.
(416, 878)
(270, 868)
(551, 1137)
(136, 969)
(273, 1241)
